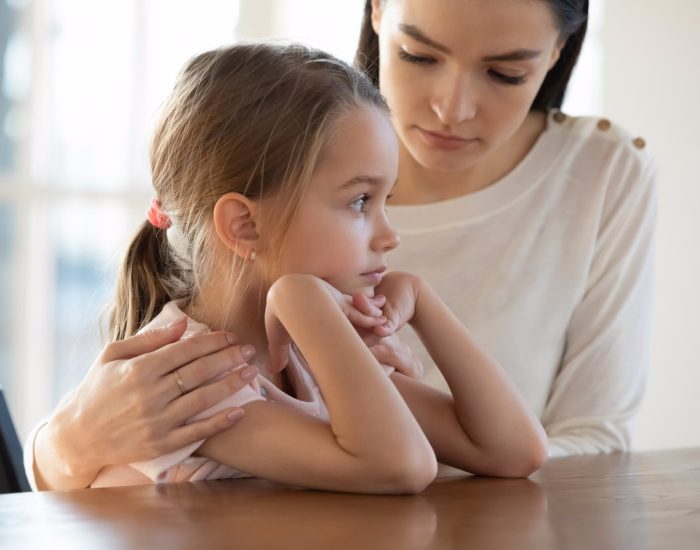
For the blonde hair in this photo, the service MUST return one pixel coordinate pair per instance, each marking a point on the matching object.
(251, 119)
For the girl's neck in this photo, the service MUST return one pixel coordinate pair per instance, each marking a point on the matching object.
(244, 316)
(420, 185)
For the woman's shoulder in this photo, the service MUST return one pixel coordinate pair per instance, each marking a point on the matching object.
(601, 152)
(597, 136)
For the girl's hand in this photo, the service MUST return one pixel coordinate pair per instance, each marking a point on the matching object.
(391, 352)
(388, 350)
(399, 292)
(277, 336)
(130, 406)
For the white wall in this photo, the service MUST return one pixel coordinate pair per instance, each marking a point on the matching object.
(651, 85)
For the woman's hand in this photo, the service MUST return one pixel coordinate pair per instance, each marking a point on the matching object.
(130, 407)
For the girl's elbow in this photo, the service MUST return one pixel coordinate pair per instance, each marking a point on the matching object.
(411, 475)
(528, 460)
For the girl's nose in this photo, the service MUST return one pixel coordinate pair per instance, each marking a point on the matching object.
(386, 238)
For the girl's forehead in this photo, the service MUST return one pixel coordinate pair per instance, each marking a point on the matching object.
(363, 147)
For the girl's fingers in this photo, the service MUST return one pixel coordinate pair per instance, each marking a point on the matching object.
(278, 357)
(366, 305)
(361, 320)
(399, 357)
(384, 329)
(145, 342)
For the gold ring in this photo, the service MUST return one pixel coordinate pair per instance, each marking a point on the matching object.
(180, 383)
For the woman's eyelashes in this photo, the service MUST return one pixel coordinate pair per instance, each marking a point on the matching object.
(419, 59)
(507, 79)
(498, 76)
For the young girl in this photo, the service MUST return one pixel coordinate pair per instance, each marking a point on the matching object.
(271, 166)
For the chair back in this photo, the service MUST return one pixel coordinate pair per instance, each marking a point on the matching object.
(12, 476)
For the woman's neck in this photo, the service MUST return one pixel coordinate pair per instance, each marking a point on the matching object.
(420, 185)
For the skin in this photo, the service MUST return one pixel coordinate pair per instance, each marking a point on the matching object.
(456, 93)
(129, 408)
(450, 68)
(384, 434)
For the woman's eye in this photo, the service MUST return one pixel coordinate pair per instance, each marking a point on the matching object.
(507, 79)
(405, 56)
(360, 203)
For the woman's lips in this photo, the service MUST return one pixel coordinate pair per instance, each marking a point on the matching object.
(446, 142)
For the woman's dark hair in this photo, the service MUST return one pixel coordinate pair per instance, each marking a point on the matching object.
(571, 16)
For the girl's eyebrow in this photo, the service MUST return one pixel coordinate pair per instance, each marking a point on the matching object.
(363, 179)
(522, 54)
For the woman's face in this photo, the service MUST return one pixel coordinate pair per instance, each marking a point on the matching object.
(460, 75)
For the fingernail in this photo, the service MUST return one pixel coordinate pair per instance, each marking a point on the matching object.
(175, 323)
(235, 414)
(247, 351)
(249, 372)
(231, 338)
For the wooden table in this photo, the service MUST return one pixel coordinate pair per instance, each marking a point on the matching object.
(637, 500)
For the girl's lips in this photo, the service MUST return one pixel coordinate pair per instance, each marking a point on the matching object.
(376, 275)
(444, 141)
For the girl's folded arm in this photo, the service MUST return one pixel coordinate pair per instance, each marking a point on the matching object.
(372, 443)
(282, 444)
(485, 427)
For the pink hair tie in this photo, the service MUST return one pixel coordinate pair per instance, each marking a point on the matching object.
(157, 217)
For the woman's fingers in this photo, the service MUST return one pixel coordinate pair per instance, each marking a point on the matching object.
(173, 356)
(207, 368)
(203, 429)
(200, 399)
(144, 343)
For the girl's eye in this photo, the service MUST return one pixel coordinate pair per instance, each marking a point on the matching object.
(360, 203)
(421, 60)
(506, 79)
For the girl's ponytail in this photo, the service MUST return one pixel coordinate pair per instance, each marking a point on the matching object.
(142, 290)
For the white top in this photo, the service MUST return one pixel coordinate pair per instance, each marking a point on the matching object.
(550, 269)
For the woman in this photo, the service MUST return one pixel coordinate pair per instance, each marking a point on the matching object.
(536, 228)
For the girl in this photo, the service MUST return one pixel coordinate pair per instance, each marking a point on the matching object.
(272, 166)
(535, 227)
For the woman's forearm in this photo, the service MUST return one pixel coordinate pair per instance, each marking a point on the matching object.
(58, 464)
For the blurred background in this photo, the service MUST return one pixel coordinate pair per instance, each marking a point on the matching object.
(80, 86)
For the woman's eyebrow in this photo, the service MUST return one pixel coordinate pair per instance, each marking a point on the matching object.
(522, 54)
(515, 55)
(419, 36)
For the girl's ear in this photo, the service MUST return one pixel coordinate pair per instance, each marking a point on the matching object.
(234, 223)
(376, 15)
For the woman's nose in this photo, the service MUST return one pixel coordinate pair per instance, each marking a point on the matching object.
(454, 100)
